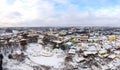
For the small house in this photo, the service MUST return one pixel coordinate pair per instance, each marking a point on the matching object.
(112, 38)
(84, 38)
(23, 42)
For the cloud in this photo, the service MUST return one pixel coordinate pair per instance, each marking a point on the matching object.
(23, 11)
(58, 13)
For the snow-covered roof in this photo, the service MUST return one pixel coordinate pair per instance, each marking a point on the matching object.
(72, 51)
(89, 52)
(102, 51)
(69, 43)
(57, 41)
(112, 56)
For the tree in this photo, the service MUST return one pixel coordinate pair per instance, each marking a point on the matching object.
(8, 30)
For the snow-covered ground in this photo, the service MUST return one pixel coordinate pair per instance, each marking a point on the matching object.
(36, 54)
(38, 57)
(35, 57)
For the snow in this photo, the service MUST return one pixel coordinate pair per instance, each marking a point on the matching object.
(34, 58)
(56, 41)
(72, 51)
(112, 56)
(103, 51)
(41, 59)
(79, 59)
(69, 43)
(107, 46)
(23, 39)
(84, 44)
(73, 46)
(90, 48)
(39, 55)
(117, 52)
(48, 61)
(15, 31)
(89, 52)
(3, 34)
(18, 52)
(15, 65)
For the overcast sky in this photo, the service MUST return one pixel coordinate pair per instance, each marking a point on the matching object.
(59, 13)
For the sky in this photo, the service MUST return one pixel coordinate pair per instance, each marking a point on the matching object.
(34, 13)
